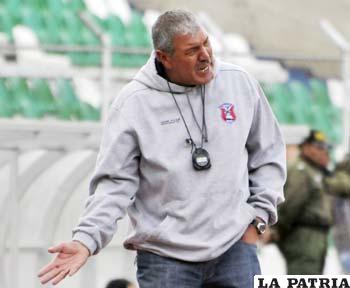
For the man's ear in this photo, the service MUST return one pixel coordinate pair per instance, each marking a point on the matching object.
(164, 58)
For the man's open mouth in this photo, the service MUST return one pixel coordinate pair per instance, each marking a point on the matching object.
(204, 68)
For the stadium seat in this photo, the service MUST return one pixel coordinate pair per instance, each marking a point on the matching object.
(74, 32)
(279, 98)
(44, 99)
(90, 39)
(55, 6)
(52, 26)
(88, 112)
(76, 5)
(137, 36)
(319, 121)
(320, 92)
(301, 99)
(6, 22)
(136, 33)
(32, 18)
(333, 114)
(68, 37)
(12, 9)
(71, 21)
(23, 98)
(116, 29)
(36, 4)
(6, 109)
(68, 106)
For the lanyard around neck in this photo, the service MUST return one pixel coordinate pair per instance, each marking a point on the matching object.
(203, 129)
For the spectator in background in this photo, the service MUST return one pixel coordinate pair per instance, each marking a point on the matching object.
(306, 215)
(120, 283)
(341, 230)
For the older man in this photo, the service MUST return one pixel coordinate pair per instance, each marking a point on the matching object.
(192, 152)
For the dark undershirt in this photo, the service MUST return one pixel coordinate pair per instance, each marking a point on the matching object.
(160, 69)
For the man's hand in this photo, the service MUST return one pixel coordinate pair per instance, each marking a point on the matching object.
(250, 235)
(267, 237)
(71, 256)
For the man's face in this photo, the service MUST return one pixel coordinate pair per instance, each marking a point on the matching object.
(192, 60)
(316, 153)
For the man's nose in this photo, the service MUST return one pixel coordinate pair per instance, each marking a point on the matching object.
(204, 54)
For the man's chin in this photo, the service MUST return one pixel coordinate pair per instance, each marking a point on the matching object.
(205, 79)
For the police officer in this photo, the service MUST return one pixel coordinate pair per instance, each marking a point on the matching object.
(306, 216)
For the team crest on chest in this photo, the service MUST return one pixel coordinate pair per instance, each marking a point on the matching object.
(227, 112)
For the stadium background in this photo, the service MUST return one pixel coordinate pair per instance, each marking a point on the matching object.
(63, 61)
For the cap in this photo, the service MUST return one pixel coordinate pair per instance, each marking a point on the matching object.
(318, 138)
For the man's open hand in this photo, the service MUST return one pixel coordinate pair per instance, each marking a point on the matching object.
(71, 256)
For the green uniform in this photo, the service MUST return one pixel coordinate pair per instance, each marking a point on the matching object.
(306, 216)
(339, 184)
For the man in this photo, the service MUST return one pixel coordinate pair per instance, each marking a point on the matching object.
(198, 185)
(306, 215)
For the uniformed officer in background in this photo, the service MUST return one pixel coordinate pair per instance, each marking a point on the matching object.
(341, 229)
(306, 215)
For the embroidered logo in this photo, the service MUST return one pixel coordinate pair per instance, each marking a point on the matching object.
(170, 121)
(227, 112)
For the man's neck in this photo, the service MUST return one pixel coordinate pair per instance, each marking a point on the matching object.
(162, 73)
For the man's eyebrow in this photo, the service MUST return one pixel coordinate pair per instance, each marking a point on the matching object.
(196, 44)
(192, 46)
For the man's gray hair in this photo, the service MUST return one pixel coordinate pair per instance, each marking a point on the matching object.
(170, 24)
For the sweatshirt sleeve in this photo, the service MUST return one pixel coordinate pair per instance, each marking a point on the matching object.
(113, 185)
(266, 160)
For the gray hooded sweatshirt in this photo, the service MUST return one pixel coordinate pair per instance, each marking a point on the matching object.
(144, 166)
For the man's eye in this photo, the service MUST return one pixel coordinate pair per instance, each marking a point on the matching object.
(191, 51)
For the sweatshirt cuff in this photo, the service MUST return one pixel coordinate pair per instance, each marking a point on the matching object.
(261, 213)
(86, 240)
